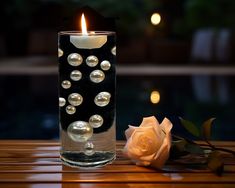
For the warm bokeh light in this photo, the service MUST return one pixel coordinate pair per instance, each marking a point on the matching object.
(155, 97)
(83, 23)
(155, 18)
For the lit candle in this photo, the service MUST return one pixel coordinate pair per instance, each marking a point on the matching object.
(87, 40)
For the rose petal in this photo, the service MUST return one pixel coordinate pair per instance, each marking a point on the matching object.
(152, 122)
(130, 151)
(163, 153)
(166, 125)
(146, 139)
(129, 131)
(149, 121)
(148, 158)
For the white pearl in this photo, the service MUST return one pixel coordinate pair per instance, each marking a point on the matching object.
(60, 52)
(102, 99)
(96, 121)
(89, 148)
(75, 99)
(74, 59)
(80, 131)
(76, 75)
(92, 61)
(97, 76)
(62, 101)
(105, 65)
(113, 50)
(70, 109)
(66, 84)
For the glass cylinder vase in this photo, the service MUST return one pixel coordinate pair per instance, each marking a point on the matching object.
(87, 84)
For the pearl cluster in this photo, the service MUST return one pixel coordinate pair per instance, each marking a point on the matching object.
(96, 76)
(82, 131)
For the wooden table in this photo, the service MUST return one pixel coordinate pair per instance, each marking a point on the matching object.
(36, 164)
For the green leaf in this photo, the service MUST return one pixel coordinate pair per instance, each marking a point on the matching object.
(190, 127)
(180, 144)
(215, 163)
(178, 149)
(206, 128)
(194, 149)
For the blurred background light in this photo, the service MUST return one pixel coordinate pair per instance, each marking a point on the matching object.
(155, 18)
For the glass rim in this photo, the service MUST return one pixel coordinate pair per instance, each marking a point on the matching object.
(90, 33)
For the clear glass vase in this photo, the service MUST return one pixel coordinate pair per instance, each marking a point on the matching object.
(87, 84)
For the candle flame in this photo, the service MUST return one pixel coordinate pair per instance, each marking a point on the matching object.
(84, 28)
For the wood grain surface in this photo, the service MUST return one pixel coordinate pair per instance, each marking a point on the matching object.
(36, 164)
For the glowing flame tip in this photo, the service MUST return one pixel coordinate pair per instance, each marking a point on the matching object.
(83, 22)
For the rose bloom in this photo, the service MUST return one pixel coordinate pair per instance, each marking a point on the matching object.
(149, 144)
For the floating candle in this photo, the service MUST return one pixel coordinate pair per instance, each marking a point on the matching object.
(88, 40)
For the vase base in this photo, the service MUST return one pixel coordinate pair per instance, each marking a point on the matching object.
(81, 160)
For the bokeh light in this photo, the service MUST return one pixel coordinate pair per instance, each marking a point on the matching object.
(155, 18)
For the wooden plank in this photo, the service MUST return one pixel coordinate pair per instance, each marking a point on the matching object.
(30, 142)
(56, 160)
(29, 154)
(28, 147)
(118, 177)
(109, 169)
(56, 143)
(112, 185)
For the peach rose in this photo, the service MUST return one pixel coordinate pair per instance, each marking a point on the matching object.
(149, 144)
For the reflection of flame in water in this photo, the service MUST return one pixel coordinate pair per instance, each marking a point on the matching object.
(155, 97)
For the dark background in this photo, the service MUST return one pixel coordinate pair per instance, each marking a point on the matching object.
(191, 33)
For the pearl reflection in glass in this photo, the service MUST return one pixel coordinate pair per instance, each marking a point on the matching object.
(80, 131)
(75, 59)
(102, 99)
(92, 61)
(96, 121)
(75, 99)
(76, 75)
(97, 76)
(66, 84)
(62, 101)
(89, 148)
(105, 65)
(70, 109)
